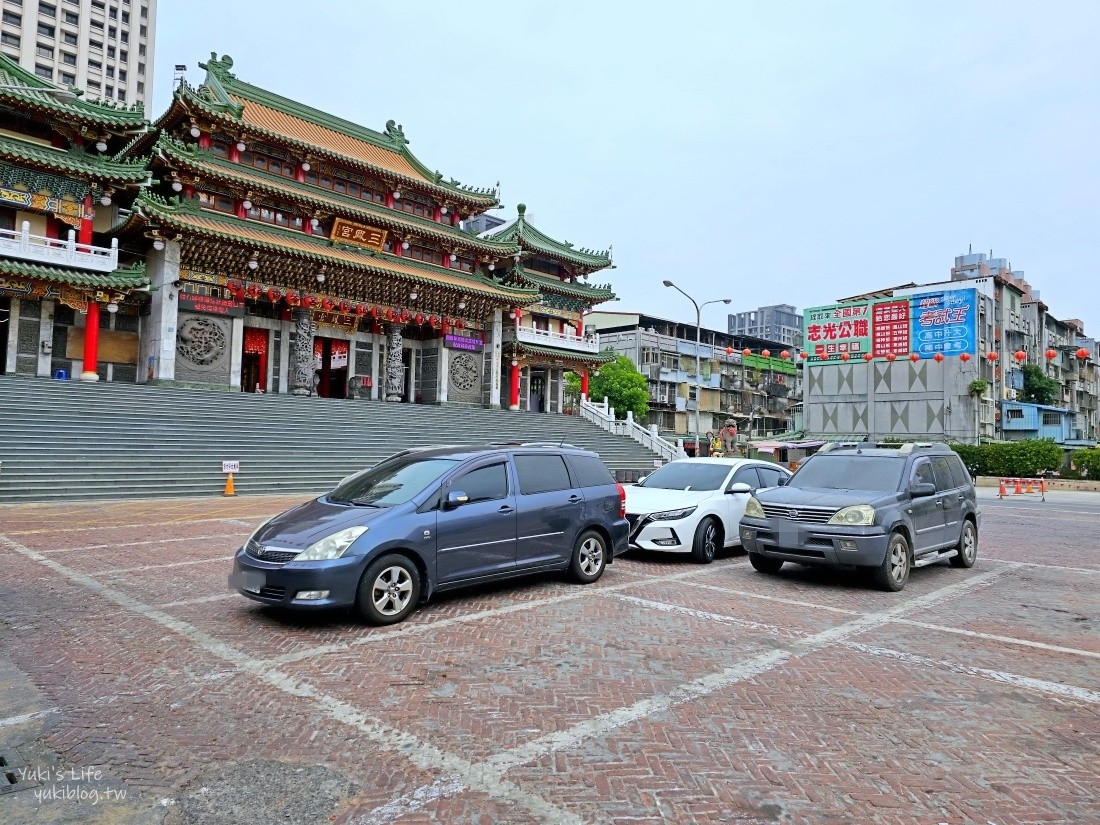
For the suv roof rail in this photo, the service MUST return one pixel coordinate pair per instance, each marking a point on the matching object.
(549, 444)
(920, 445)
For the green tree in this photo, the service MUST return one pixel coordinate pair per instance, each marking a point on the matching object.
(625, 387)
(1038, 387)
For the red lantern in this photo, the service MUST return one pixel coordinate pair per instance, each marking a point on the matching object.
(1082, 354)
(326, 304)
(914, 357)
(404, 316)
(292, 298)
(308, 301)
(233, 286)
(419, 318)
(433, 322)
(345, 306)
(1020, 355)
(375, 312)
(273, 294)
(803, 355)
(964, 357)
(746, 351)
(459, 323)
(518, 313)
(785, 355)
(844, 356)
(360, 310)
(890, 356)
(867, 357)
(992, 356)
(767, 353)
(938, 357)
(729, 350)
(1050, 354)
(389, 314)
(253, 291)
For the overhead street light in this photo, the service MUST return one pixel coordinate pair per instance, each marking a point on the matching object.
(698, 344)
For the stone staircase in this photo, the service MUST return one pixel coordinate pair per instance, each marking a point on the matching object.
(70, 441)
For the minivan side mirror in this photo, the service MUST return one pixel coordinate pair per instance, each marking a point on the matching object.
(739, 487)
(921, 489)
(455, 498)
(783, 480)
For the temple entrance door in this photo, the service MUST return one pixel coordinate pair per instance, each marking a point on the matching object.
(536, 395)
(330, 364)
(254, 360)
(5, 328)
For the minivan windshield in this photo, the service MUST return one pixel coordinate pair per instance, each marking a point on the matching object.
(850, 472)
(391, 482)
(688, 475)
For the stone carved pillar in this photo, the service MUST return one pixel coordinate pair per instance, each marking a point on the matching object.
(395, 370)
(301, 366)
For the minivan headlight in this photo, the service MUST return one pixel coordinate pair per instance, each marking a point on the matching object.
(858, 515)
(672, 515)
(331, 547)
(753, 508)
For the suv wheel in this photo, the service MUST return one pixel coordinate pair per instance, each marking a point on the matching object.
(967, 546)
(893, 573)
(708, 538)
(589, 557)
(764, 564)
(389, 590)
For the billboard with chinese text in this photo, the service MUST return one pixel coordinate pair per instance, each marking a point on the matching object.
(925, 323)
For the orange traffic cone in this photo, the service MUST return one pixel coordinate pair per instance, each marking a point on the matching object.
(1030, 486)
(229, 485)
(1002, 492)
(1019, 487)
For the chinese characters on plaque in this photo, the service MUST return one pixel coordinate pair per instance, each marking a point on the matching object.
(359, 234)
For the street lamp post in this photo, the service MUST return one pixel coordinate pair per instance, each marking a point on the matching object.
(698, 344)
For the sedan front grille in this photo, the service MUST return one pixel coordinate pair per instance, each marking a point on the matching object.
(794, 512)
(271, 554)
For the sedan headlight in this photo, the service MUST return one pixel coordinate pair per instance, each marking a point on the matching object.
(753, 508)
(672, 515)
(859, 515)
(331, 547)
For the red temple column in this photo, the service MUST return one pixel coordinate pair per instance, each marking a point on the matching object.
(91, 343)
(87, 216)
(584, 384)
(513, 393)
(205, 141)
(234, 153)
(307, 225)
(300, 174)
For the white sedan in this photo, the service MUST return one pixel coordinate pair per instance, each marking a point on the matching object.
(694, 505)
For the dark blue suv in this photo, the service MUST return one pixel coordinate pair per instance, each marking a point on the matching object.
(436, 519)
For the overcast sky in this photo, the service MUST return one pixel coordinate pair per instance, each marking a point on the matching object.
(769, 152)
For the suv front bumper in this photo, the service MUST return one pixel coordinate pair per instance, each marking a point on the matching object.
(818, 544)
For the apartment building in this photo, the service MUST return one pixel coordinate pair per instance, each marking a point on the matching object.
(781, 323)
(102, 47)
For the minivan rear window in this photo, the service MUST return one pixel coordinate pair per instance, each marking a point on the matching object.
(541, 474)
(589, 471)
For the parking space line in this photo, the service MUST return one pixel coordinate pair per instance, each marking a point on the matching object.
(1041, 685)
(781, 600)
(460, 772)
(201, 600)
(146, 567)
(11, 721)
(1041, 566)
(246, 521)
(666, 607)
(144, 543)
(993, 637)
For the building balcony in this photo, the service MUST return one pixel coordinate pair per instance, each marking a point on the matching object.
(56, 252)
(546, 338)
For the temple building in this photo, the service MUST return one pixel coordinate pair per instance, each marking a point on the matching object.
(295, 252)
(69, 307)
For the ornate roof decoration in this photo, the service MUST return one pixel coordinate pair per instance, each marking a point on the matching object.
(589, 295)
(128, 278)
(514, 348)
(532, 240)
(229, 100)
(206, 164)
(185, 215)
(74, 162)
(27, 91)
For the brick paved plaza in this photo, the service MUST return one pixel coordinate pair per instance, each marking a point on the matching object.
(134, 688)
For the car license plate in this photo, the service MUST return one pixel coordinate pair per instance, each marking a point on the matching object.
(247, 580)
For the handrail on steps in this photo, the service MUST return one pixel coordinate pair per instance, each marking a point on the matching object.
(603, 416)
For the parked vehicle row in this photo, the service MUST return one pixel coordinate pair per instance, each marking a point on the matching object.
(440, 518)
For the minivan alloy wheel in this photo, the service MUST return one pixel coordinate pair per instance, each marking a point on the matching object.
(389, 590)
(392, 591)
(589, 557)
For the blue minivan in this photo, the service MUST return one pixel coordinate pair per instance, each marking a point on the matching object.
(434, 519)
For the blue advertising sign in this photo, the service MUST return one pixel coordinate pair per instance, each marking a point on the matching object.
(944, 322)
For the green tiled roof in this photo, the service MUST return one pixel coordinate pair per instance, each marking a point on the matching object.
(209, 165)
(31, 91)
(218, 96)
(563, 353)
(74, 162)
(132, 277)
(522, 232)
(545, 283)
(186, 215)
